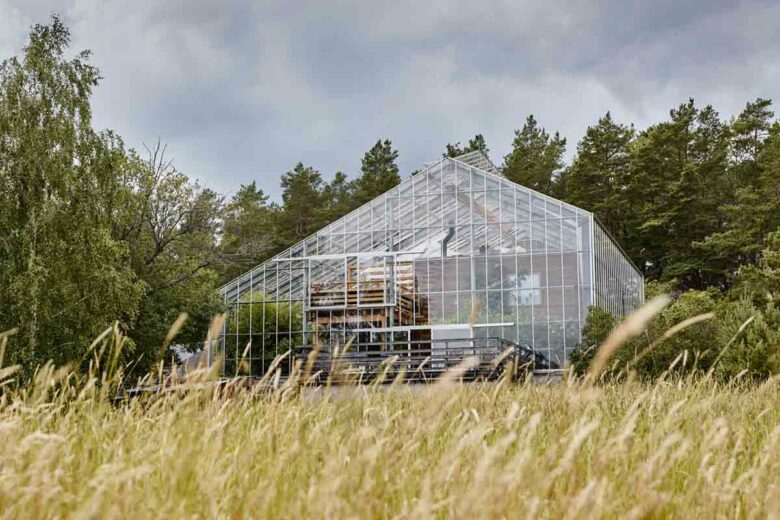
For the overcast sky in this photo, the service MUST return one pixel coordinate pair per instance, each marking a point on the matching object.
(241, 90)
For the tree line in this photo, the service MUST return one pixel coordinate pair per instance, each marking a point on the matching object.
(92, 232)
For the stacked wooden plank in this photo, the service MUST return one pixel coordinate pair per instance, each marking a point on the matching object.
(384, 296)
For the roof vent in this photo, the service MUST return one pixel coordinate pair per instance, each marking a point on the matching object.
(477, 159)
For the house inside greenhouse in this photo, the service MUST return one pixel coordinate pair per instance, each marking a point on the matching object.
(454, 256)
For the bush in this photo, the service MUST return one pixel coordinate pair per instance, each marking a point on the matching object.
(728, 345)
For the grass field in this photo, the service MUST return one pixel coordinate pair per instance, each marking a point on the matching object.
(562, 450)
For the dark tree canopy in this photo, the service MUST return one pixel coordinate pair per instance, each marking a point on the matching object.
(379, 172)
(477, 144)
(536, 159)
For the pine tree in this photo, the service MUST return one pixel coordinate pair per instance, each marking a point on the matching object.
(476, 144)
(338, 197)
(676, 189)
(379, 172)
(536, 159)
(599, 170)
(754, 210)
(302, 202)
(248, 230)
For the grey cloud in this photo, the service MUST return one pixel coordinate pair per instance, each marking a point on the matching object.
(242, 90)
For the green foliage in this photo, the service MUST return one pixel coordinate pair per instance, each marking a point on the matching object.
(599, 171)
(170, 226)
(379, 173)
(598, 324)
(754, 352)
(536, 159)
(761, 283)
(301, 203)
(741, 340)
(64, 276)
(268, 321)
(476, 144)
(90, 233)
(248, 231)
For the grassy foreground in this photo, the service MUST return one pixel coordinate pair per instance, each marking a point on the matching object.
(509, 450)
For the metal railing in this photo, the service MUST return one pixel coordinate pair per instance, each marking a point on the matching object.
(423, 360)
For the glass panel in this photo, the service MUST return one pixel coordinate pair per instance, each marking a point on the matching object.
(462, 245)
(449, 205)
(365, 241)
(434, 179)
(477, 180)
(494, 272)
(509, 306)
(493, 239)
(555, 307)
(556, 343)
(568, 211)
(480, 306)
(538, 237)
(464, 307)
(464, 178)
(540, 337)
(540, 307)
(569, 237)
(391, 213)
(523, 271)
(464, 274)
(480, 267)
(585, 268)
(585, 302)
(435, 308)
(553, 208)
(522, 205)
(523, 237)
(553, 235)
(478, 210)
(435, 275)
(508, 272)
(507, 206)
(539, 273)
(351, 242)
(364, 218)
(537, 207)
(420, 185)
(583, 234)
(492, 206)
(569, 269)
(450, 267)
(571, 303)
(450, 308)
(525, 335)
(495, 309)
(406, 188)
(479, 239)
(554, 271)
(463, 210)
(421, 275)
(449, 176)
(434, 211)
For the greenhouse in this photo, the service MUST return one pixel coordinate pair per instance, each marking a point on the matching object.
(454, 255)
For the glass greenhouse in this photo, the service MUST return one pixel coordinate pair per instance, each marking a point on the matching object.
(456, 251)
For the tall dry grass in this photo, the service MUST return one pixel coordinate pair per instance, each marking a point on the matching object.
(571, 449)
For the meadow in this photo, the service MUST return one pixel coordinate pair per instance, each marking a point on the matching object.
(682, 448)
